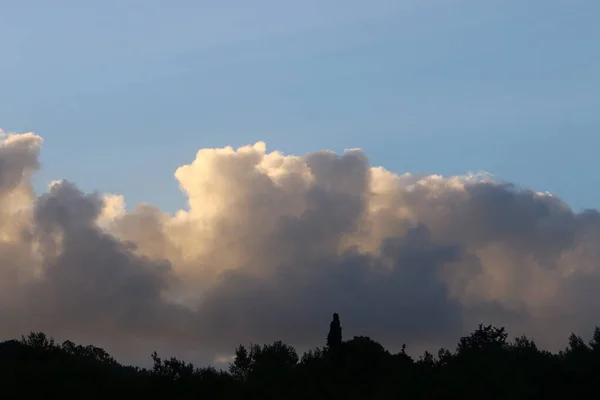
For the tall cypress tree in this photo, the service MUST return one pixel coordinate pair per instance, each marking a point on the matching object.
(334, 338)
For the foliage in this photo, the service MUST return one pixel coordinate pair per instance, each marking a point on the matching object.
(485, 364)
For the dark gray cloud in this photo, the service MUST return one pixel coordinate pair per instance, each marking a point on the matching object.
(271, 245)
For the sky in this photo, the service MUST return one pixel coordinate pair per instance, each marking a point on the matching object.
(436, 86)
(179, 176)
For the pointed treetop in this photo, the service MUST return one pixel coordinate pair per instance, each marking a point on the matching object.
(334, 338)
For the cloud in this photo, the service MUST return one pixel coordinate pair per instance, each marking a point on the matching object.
(270, 245)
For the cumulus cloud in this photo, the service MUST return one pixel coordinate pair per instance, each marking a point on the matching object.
(271, 244)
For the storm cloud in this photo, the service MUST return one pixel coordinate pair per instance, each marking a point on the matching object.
(271, 244)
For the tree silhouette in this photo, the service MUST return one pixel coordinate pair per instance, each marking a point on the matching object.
(240, 368)
(334, 337)
(485, 364)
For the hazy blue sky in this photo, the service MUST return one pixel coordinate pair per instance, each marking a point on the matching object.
(124, 91)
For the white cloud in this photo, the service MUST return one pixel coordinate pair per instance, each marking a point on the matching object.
(271, 245)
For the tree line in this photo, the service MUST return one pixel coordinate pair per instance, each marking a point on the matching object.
(484, 365)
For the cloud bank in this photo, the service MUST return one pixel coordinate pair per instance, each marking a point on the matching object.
(270, 245)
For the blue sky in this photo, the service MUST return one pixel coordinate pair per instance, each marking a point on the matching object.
(124, 92)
